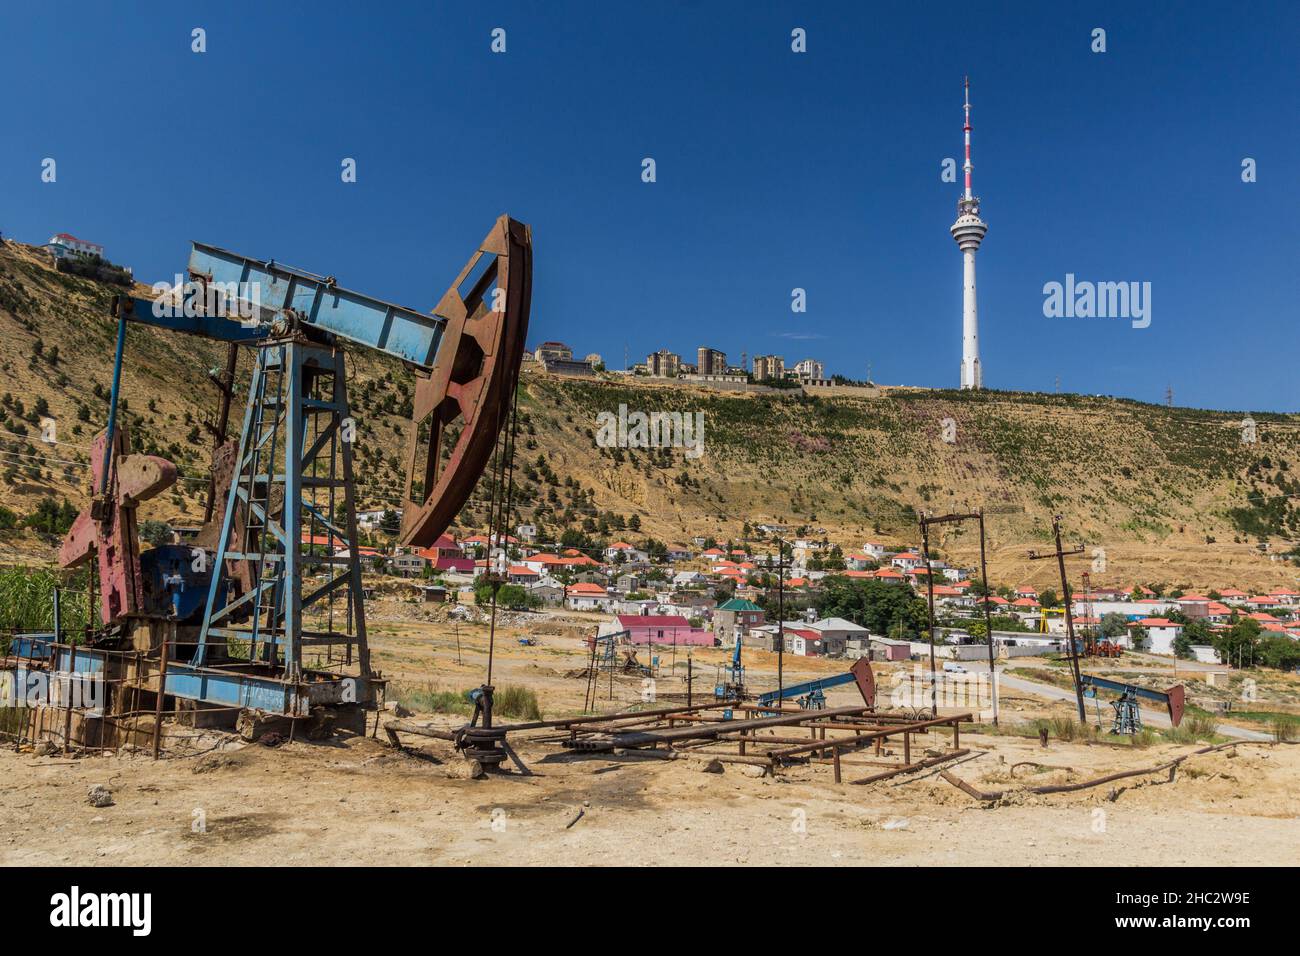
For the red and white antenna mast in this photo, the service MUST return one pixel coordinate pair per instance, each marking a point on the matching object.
(968, 167)
(969, 230)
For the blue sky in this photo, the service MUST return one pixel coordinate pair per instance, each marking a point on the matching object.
(775, 170)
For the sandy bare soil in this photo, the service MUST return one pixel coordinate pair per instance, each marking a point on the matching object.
(357, 801)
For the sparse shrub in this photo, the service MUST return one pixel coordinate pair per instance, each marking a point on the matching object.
(1066, 728)
(1144, 738)
(1284, 729)
(514, 701)
(424, 698)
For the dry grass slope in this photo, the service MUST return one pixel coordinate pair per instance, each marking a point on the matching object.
(1172, 495)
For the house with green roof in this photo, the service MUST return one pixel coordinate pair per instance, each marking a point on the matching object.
(734, 618)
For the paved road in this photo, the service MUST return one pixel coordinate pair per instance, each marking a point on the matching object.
(1156, 718)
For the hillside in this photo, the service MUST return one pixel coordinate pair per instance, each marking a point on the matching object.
(57, 341)
(1171, 495)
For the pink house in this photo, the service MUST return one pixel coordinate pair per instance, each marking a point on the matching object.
(663, 629)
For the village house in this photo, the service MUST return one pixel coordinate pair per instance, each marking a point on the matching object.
(907, 561)
(641, 606)
(834, 633)
(732, 619)
(62, 245)
(873, 550)
(803, 641)
(1027, 610)
(522, 574)
(951, 597)
(587, 597)
(548, 592)
(408, 565)
(623, 553)
(1161, 634)
(889, 649)
(663, 629)
(1194, 605)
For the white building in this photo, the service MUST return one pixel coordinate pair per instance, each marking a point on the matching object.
(1129, 610)
(588, 597)
(1161, 634)
(623, 552)
(907, 561)
(810, 370)
(63, 245)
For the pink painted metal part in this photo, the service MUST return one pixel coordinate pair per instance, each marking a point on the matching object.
(107, 528)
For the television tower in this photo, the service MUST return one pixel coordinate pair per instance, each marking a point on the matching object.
(969, 230)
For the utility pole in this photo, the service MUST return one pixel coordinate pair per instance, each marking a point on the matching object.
(780, 620)
(929, 590)
(984, 576)
(1060, 556)
(988, 620)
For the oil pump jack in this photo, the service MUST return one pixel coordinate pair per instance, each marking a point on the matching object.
(276, 571)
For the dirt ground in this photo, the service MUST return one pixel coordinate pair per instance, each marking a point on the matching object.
(356, 801)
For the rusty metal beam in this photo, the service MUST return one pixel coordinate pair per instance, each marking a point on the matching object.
(919, 765)
(473, 381)
(859, 740)
(712, 731)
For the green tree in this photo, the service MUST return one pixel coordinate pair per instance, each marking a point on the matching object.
(51, 517)
(1139, 637)
(156, 533)
(1280, 652)
(1114, 625)
(1239, 643)
(879, 607)
(1195, 631)
(509, 595)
